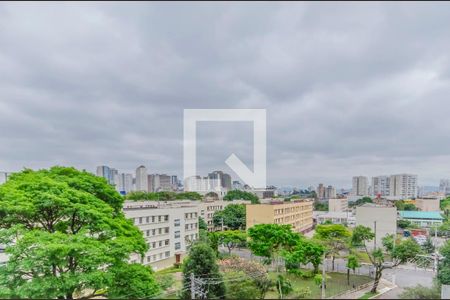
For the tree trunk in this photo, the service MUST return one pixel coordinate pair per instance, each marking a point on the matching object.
(378, 273)
(348, 276)
(332, 263)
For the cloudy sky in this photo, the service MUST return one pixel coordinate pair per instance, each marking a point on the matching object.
(349, 89)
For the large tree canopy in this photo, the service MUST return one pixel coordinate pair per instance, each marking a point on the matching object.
(241, 195)
(66, 237)
(233, 217)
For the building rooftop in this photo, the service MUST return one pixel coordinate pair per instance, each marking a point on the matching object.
(432, 215)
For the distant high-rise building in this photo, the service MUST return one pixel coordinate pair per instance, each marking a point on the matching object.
(124, 183)
(330, 192)
(174, 182)
(381, 186)
(237, 185)
(204, 185)
(444, 186)
(403, 186)
(114, 177)
(141, 179)
(4, 177)
(159, 183)
(320, 191)
(225, 179)
(105, 172)
(360, 186)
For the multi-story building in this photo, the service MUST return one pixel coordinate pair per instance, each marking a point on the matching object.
(159, 183)
(225, 179)
(381, 186)
(204, 185)
(337, 204)
(298, 214)
(330, 192)
(125, 183)
(403, 186)
(344, 218)
(141, 179)
(444, 186)
(427, 219)
(381, 219)
(320, 191)
(4, 177)
(360, 186)
(237, 185)
(105, 172)
(428, 204)
(174, 182)
(169, 229)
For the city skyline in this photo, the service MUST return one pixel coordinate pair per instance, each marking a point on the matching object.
(108, 85)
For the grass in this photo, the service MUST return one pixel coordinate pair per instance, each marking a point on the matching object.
(337, 283)
(169, 270)
(368, 295)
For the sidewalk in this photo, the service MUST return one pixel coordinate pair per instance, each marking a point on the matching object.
(383, 287)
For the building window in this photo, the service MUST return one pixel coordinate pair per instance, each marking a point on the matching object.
(166, 242)
(177, 246)
(140, 220)
(167, 253)
(177, 222)
(177, 234)
(166, 218)
(166, 230)
(148, 220)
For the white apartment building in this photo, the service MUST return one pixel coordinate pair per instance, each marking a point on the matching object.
(360, 186)
(403, 186)
(169, 228)
(381, 219)
(330, 192)
(141, 179)
(124, 183)
(204, 185)
(344, 218)
(381, 186)
(337, 204)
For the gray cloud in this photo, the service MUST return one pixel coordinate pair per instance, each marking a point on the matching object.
(349, 88)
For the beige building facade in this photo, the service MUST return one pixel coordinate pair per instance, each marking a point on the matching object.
(297, 214)
(337, 204)
(431, 204)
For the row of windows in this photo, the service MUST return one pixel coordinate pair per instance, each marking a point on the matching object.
(151, 219)
(158, 244)
(214, 208)
(190, 226)
(191, 237)
(159, 256)
(190, 215)
(159, 231)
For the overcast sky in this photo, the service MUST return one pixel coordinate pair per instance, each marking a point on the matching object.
(349, 89)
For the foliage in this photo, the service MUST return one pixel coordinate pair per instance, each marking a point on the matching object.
(360, 202)
(352, 264)
(444, 264)
(202, 224)
(302, 293)
(133, 281)
(284, 286)
(241, 195)
(402, 205)
(233, 217)
(422, 292)
(213, 241)
(318, 279)
(243, 288)
(268, 240)
(162, 196)
(252, 269)
(65, 234)
(232, 238)
(165, 281)
(320, 206)
(401, 253)
(202, 263)
(405, 224)
(304, 252)
(428, 246)
(334, 237)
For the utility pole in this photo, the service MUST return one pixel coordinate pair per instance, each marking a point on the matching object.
(192, 286)
(323, 277)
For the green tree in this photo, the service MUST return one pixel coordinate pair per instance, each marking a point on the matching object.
(404, 224)
(241, 195)
(239, 286)
(352, 264)
(422, 292)
(233, 217)
(202, 263)
(334, 237)
(232, 238)
(304, 252)
(66, 237)
(268, 240)
(213, 241)
(428, 246)
(284, 286)
(401, 253)
(320, 206)
(444, 264)
(361, 201)
(202, 224)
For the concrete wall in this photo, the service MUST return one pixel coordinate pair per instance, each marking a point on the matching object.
(384, 217)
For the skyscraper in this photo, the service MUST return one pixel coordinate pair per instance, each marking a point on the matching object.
(225, 179)
(330, 192)
(141, 179)
(105, 172)
(381, 186)
(125, 183)
(403, 185)
(321, 191)
(360, 186)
